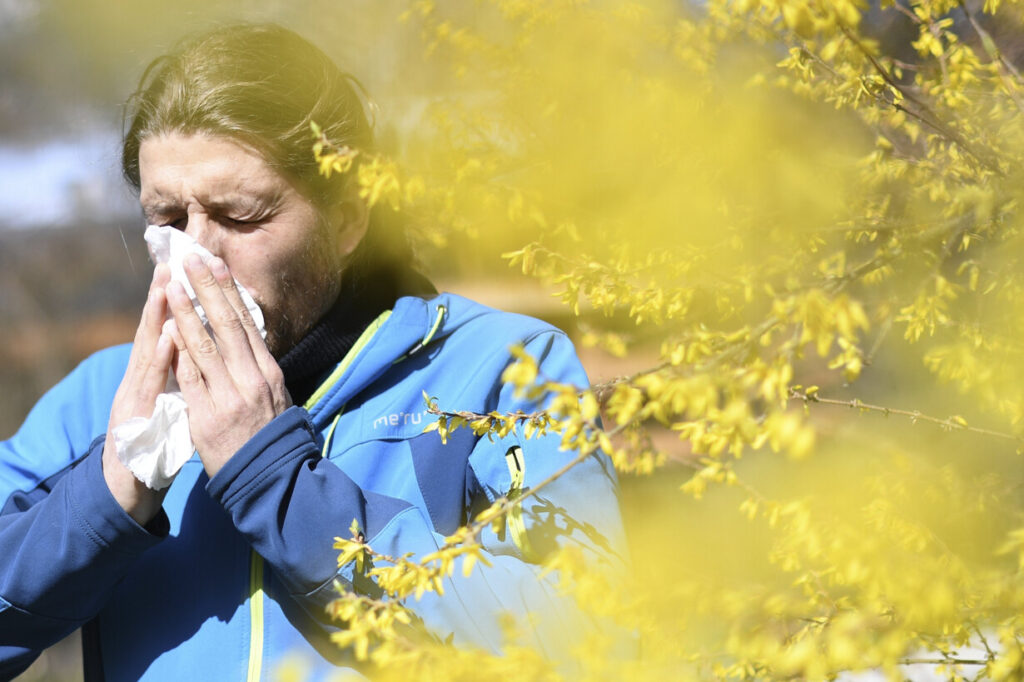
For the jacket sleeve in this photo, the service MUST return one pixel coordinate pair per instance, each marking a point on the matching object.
(64, 540)
(275, 490)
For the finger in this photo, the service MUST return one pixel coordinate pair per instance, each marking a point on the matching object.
(225, 323)
(161, 275)
(234, 298)
(148, 331)
(187, 373)
(195, 340)
(268, 367)
(155, 310)
(233, 341)
(134, 396)
(154, 378)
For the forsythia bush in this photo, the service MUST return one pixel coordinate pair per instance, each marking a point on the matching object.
(798, 222)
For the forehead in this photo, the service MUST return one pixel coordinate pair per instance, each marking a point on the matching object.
(178, 166)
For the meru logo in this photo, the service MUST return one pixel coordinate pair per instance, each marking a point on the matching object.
(399, 418)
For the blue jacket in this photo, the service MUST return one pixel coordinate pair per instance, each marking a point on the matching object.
(233, 576)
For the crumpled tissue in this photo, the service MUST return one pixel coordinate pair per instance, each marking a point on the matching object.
(155, 449)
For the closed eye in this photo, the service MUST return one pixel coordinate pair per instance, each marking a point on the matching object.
(242, 225)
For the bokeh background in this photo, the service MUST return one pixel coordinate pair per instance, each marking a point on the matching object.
(73, 267)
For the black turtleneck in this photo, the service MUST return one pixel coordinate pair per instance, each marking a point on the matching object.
(361, 300)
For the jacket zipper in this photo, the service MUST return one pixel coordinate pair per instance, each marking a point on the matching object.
(256, 593)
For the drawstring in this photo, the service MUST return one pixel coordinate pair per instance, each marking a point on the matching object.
(441, 311)
(330, 433)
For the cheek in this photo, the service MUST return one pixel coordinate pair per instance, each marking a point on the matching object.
(270, 279)
(254, 271)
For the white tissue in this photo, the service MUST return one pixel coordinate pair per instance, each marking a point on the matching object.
(169, 245)
(155, 449)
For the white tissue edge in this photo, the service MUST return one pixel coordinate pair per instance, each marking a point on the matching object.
(155, 449)
(163, 240)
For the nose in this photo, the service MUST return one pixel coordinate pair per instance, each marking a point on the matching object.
(204, 230)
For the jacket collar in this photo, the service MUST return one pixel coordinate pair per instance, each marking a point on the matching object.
(402, 331)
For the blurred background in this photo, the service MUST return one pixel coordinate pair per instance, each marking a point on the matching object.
(73, 266)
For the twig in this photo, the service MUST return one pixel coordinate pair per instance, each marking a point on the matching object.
(935, 124)
(508, 503)
(984, 640)
(944, 661)
(914, 415)
(869, 359)
(989, 45)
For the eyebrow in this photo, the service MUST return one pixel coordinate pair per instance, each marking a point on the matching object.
(152, 210)
(248, 205)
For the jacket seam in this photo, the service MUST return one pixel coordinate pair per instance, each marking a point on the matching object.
(294, 451)
(62, 472)
(90, 530)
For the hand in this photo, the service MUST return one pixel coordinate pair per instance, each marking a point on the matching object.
(144, 380)
(230, 381)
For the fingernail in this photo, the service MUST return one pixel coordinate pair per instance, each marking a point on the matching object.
(218, 267)
(193, 261)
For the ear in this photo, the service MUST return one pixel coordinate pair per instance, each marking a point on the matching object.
(350, 217)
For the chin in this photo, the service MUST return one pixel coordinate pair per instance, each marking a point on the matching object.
(278, 338)
(274, 346)
(281, 332)
(288, 325)
(281, 338)
(279, 343)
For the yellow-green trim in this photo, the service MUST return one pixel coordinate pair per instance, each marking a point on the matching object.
(360, 343)
(330, 434)
(256, 561)
(255, 618)
(441, 310)
(516, 526)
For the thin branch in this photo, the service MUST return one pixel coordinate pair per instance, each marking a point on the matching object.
(990, 46)
(915, 416)
(869, 359)
(903, 10)
(944, 661)
(984, 640)
(1003, 67)
(507, 503)
(602, 389)
(935, 124)
(518, 416)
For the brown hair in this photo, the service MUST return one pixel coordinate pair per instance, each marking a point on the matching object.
(260, 84)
